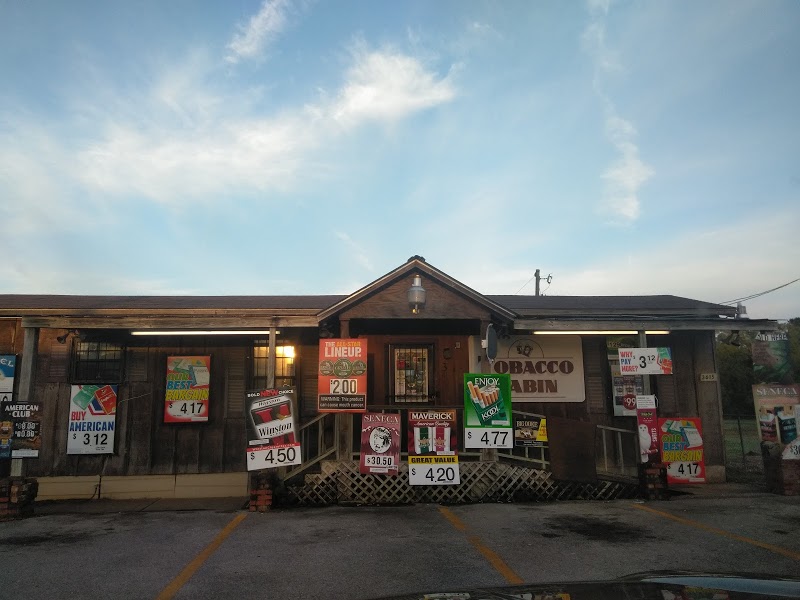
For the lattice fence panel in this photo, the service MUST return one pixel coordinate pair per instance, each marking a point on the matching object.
(341, 481)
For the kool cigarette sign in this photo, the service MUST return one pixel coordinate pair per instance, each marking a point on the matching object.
(342, 376)
(487, 411)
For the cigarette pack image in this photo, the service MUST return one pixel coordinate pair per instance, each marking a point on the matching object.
(199, 375)
(489, 405)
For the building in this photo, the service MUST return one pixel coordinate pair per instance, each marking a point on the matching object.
(558, 346)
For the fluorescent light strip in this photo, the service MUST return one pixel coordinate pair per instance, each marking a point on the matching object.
(212, 332)
(598, 332)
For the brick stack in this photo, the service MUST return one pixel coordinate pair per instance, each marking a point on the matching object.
(16, 497)
(790, 478)
(260, 493)
(653, 481)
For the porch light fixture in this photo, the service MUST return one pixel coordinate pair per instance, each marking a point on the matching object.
(198, 332)
(598, 332)
(416, 295)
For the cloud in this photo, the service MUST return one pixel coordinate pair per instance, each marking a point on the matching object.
(262, 29)
(623, 179)
(355, 250)
(388, 86)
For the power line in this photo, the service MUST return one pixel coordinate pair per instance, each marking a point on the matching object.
(750, 297)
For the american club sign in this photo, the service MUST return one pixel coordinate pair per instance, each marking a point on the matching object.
(542, 368)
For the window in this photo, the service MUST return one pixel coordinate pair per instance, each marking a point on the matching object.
(411, 373)
(96, 362)
(284, 365)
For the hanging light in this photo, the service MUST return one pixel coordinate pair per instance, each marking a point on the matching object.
(416, 295)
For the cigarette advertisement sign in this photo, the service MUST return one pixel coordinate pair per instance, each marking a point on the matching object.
(342, 376)
(772, 362)
(530, 432)
(271, 430)
(487, 411)
(188, 379)
(7, 367)
(777, 411)
(432, 448)
(625, 387)
(380, 444)
(546, 368)
(26, 419)
(647, 420)
(645, 361)
(92, 419)
(681, 442)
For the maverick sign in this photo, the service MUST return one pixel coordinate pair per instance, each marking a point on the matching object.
(542, 368)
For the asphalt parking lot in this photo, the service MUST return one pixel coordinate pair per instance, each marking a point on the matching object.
(369, 552)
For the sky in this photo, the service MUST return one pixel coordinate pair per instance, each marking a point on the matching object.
(309, 147)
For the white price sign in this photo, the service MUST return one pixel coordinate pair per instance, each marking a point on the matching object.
(645, 361)
(480, 437)
(689, 471)
(269, 457)
(189, 410)
(435, 474)
(378, 460)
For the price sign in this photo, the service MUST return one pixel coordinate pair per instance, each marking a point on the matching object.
(685, 471)
(269, 457)
(645, 361)
(378, 460)
(342, 376)
(480, 437)
(92, 419)
(447, 474)
(196, 410)
(188, 388)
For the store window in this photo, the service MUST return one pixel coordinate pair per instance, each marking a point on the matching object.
(96, 362)
(284, 365)
(411, 373)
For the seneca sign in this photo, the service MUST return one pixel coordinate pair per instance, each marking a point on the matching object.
(542, 369)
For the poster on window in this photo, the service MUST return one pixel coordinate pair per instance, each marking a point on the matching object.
(7, 369)
(92, 419)
(342, 376)
(487, 411)
(432, 448)
(271, 429)
(380, 444)
(188, 379)
(681, 444)
(410, 374)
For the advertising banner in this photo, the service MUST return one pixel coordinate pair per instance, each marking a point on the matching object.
(647, 420)
(432, 448)
(7, 368)
(26, 420)
(645, 361)
(188, 379)
(530, 431)
(546, 368)
(342, 376)
(92, 419)
(380, 444)
(487, 411)
(681, 444)
(625, 387)
(772, 361)
(777, 410)
(271, 430)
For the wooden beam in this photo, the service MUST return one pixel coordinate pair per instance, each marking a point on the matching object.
(167, 322)
(638, 325)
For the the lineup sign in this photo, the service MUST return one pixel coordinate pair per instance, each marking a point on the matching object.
(342, 376)
(92, 419)
(271, 431)
(188, 383)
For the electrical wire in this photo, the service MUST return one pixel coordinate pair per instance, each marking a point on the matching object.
(750, 297)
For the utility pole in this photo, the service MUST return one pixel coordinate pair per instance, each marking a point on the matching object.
(538, 279)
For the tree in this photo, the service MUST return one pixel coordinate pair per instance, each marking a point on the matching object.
(735, 366)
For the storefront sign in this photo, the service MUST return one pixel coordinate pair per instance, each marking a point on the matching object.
(530, 431)
(26, 419)
(380, 444)
(772, 362)
(487, 411)
(342, 375)
(271, 430)
(777, 411)
(432, 448)
(645, 361)
(647, 419)
(188, 379)
(7, 367)
(546, 368)
(92, 419)
(681, 444)
(625, 387)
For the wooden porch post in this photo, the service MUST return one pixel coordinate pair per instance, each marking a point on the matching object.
(344, 421)
(271, 359)
(487, 454)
